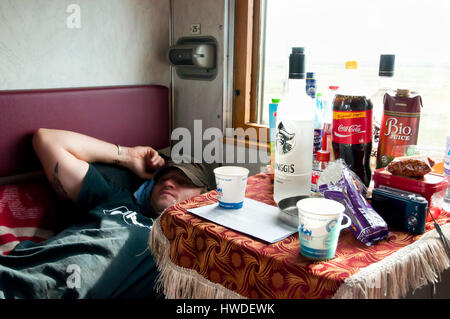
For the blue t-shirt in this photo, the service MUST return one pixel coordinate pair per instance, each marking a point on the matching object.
(104, 254)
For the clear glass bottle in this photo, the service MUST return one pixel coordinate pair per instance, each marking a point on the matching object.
(318, 124)
(311, 84)
(447, 173)
(328, 119)
(385, 84)
(320, 163)
(294, 134)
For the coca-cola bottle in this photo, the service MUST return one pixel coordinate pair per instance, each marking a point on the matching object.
(352, 123)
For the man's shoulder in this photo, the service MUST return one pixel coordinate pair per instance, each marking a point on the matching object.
(118, 176)
(98, 190)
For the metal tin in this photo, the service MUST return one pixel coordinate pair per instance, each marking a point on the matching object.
(289, 211)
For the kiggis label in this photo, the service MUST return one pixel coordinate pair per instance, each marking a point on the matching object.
(293, 147)
(352, 127)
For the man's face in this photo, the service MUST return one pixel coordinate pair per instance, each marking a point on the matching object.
(173, 186)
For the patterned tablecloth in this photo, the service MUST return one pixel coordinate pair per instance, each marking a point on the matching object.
(193, 253)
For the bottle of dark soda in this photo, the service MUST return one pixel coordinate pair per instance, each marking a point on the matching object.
(352, 123)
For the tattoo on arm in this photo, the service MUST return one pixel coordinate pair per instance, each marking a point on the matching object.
(57, 186)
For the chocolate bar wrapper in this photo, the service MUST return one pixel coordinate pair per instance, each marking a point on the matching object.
(367, 225)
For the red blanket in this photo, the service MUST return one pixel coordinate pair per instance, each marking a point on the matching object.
(26, 213)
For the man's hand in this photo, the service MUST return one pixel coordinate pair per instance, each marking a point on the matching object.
(142, 160)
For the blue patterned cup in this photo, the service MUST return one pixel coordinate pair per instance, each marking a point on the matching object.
(320, 223)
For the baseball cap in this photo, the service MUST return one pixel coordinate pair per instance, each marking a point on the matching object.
(200, 174)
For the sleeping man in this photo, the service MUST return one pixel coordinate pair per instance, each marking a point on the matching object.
(103, 253)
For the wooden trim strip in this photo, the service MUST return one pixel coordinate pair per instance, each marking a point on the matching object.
(243, 62)
(247, 51)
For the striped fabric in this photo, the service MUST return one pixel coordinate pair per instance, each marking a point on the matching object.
(26, 213)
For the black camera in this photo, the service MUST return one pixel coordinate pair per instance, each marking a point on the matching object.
(400, 209)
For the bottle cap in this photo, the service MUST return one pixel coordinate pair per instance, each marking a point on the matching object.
(323, 156)
(275, 100)
(386, 65)
(403, 92)
(310, 75)
(319, 94)
(351, 64)
(297, 63)
(333, 87)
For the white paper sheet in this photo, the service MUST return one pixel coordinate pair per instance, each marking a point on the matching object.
(254, 218)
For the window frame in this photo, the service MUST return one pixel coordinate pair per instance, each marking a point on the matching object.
(247, 86)
(247, 71)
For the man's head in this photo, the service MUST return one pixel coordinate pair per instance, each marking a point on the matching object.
(178, 182)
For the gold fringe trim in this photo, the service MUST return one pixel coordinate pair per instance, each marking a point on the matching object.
(404, 271)
(177, 282)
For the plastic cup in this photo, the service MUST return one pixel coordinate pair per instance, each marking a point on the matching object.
(231, 182)
(320, 223)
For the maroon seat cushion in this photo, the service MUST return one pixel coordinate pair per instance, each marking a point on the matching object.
(130, 115)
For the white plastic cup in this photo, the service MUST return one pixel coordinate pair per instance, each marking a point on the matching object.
(320, 223)
(231, 183)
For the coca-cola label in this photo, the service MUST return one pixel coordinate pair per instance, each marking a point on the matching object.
(352, 127)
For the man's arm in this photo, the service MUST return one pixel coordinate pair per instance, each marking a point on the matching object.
(65, 157)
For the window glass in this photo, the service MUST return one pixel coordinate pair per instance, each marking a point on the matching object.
(416, 31)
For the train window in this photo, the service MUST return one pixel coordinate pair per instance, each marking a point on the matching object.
(248, 71)
(335, 31)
